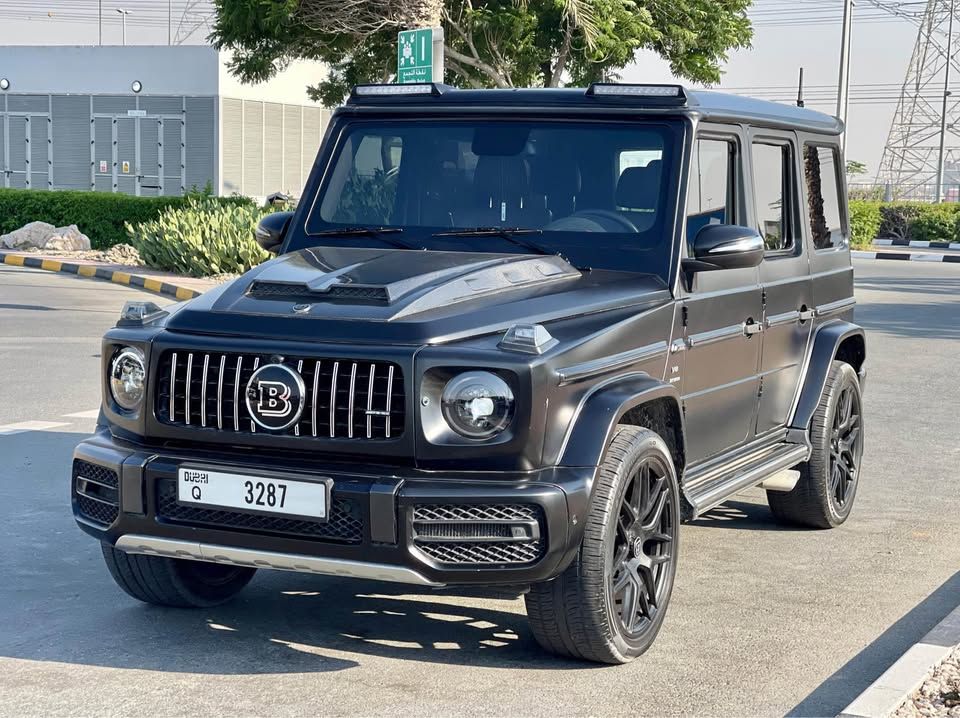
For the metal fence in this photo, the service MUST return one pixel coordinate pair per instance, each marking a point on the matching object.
(902, 192)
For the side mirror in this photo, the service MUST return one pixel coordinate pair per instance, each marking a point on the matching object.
(271, 230)
(725, 246)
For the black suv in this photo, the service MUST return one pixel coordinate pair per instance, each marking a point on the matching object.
(512, 338)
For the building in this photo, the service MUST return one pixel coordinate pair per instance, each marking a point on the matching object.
(152, 120)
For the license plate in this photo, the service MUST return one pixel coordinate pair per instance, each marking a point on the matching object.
(261, 494)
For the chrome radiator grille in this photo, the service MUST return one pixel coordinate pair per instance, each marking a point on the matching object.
(346, 398)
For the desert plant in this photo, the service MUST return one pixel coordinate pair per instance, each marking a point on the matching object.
(203, 237)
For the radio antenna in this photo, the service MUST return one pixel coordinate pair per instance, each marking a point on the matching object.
(800, 90)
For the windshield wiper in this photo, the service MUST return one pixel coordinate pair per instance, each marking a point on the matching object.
(376, 232)
(507, 233)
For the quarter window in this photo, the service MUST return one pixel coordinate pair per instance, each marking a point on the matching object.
(712, 186)
(771, 182)
(823, 197)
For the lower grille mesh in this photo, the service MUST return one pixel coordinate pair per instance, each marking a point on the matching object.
(344, 525)
(97, 492)
(473, 534)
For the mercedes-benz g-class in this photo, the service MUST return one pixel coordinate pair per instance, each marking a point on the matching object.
(512, 338)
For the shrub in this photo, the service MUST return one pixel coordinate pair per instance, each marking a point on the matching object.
(202, 237)
(865, 222)
(99, 215)
(935, 223)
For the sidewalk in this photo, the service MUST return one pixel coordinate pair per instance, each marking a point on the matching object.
(163, 283)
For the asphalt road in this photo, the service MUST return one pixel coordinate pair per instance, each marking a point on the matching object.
(764, 621)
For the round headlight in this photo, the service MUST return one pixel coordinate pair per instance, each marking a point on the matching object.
(127, 378)
(477, 404)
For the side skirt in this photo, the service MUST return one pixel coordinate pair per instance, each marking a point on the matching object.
(715, 484)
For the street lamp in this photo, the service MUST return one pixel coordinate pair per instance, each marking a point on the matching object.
(123, 14)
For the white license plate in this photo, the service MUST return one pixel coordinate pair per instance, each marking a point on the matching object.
(203, 487)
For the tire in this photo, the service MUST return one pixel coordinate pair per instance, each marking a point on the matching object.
(175, 582)
(580, 614)
(824, 494)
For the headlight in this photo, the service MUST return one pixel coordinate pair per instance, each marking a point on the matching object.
(127, 378)
(477, 404)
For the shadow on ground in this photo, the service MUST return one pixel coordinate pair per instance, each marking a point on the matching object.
(61, 605)
(856, 675)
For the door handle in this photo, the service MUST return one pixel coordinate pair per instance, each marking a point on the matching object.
(807, 314)
(751, 327)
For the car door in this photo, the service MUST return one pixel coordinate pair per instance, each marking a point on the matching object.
(722, 309)
(784, 273)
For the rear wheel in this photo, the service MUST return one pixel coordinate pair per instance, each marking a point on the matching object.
(609, 604)
(175, 582)
(823, 497)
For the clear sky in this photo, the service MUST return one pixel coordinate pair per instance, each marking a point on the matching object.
(788, 34)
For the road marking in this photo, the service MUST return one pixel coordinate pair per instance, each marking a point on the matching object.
(92, 414)
(6, 429)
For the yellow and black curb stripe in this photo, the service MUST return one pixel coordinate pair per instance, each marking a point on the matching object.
(91, 271)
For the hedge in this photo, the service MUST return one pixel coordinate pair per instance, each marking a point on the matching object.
(865, 221)
(99, 215)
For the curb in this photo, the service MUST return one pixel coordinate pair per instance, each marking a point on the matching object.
(91, 271)
(906, 675)
(915, 243)
(907, 256)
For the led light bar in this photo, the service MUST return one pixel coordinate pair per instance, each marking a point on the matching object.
(674, 93)
(392, 90)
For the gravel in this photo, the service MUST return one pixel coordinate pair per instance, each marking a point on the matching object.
(940, 693)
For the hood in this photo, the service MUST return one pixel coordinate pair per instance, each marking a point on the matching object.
(403, 296)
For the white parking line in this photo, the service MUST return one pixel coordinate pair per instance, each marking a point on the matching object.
(92, 414)
(6, 429)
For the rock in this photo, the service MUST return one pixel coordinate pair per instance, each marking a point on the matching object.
(68, 239)
(31, 235)
(41, 235)
(123, 254)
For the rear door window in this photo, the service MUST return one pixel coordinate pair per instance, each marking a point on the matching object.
(772, 182)
(820, 168)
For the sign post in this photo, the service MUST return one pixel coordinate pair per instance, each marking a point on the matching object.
(420, 55)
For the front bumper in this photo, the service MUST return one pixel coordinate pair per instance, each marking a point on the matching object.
(386, 523)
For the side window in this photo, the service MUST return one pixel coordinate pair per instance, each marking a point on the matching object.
(711, 190)
(823, 196)
(771, 182)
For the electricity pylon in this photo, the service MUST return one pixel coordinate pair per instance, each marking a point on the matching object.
(927, 117)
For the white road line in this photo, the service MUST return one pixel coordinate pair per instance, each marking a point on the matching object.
(92, 414)
(6, 429)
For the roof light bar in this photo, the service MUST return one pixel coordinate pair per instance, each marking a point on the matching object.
(424, 88)
(674, 93)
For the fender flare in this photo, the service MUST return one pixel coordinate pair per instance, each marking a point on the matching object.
(599, 412)
(823, 350)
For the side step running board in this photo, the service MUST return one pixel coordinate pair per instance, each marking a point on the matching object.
(705, 497)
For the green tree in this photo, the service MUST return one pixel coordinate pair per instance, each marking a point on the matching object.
(855, 168)
(495, 43)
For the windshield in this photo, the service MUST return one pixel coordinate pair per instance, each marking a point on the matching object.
(601, 194)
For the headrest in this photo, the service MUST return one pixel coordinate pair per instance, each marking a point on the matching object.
(556, 177)
(501, 178)
(639, 187)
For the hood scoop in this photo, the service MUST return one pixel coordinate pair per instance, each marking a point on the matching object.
(301, 292)
(410, 282)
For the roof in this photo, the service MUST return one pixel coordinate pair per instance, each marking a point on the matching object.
(704, 104)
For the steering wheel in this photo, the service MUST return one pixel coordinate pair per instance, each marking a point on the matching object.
(606, 220)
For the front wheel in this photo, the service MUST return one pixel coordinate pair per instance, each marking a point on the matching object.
(175, 582)
(609, 604)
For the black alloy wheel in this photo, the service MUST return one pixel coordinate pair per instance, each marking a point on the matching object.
(643, 548)
(846, 446)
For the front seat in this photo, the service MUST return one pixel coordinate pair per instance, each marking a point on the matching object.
(638, 194)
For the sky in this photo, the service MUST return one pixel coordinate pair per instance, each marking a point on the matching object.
(788, 34)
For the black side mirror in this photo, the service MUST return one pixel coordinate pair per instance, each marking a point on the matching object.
(725, 246)
(271, 230)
